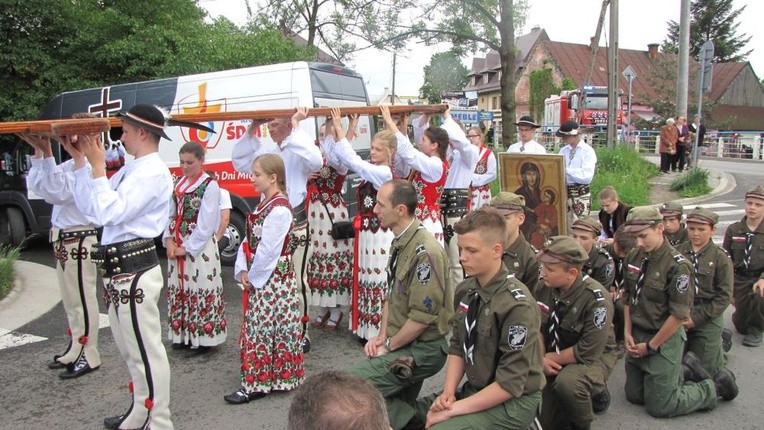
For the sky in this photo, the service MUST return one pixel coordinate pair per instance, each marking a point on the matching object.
(641, 22)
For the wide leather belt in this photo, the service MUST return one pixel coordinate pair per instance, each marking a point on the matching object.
(577, 190)
(455, 201)
(71, 234)
(130, 256)
(299, 214)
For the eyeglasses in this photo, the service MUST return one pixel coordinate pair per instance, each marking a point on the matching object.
(473, 135)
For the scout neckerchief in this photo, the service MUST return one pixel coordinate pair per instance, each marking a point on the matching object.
(554, 325)
(695, 258)
(748, 249)
(470, 323)
(393, 262)
(640, 281)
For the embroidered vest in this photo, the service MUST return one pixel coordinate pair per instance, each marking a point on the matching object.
(428, 194)
(327, 187)
(188, 206)
(482, 165)
(255, 222)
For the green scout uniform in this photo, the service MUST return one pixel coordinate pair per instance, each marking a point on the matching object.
(714, 290)
(520, 259)
(520, 255)
(419, 291)
(599, 264)
(506, 351)
(583, 320)
(749, 306)
(671, 209)
(666, 288)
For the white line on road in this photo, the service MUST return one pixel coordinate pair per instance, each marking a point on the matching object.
(10, 339)
(710, 206)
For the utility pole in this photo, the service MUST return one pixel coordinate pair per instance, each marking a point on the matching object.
(683, 73)
(392, 94)
(612, 88)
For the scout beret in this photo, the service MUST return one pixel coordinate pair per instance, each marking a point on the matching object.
(588, 224)
(507, 203)
(703, 216)
(642, 217)
(671, 209)
(562, 249)
(756, 193)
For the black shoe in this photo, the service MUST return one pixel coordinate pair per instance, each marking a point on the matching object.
(753, 338)
(55, 364)
(726, 387)
(601, 402)
(177, 346)
(77, 369)
(240, 397)
(693, 369)
(726, 339)
(113, 423)
(201, 350)
(305, 344)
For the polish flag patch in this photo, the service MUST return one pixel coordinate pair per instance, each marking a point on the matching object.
(464, 307)
(738, 239)
(632, 268)
(543, 307)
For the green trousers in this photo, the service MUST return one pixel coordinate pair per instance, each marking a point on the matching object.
(514, 414)
(749, 306)
(400, 395)
(706, 342)
(567, 397)
(657, 381)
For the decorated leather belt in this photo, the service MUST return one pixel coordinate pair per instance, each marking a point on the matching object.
(130, 256)
(455, 201)
(72, 234)
(577, 190)
(299, 214)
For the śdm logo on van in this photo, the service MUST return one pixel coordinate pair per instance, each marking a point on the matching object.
(205, 138)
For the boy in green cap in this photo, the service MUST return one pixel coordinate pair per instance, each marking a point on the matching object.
(673, 228)
(519, 255)
(600, 266)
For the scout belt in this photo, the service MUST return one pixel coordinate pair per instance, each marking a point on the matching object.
(299, 214)
(454, 202)
(577, 190)
(130, 256)
(63, 234)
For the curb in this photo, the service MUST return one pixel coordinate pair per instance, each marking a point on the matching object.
(727, 183)
(34, 293)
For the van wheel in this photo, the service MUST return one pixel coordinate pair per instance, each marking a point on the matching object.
(15, 225)
(235, 231)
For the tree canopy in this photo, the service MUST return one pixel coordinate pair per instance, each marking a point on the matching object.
(446, 72)
(51, 46)
(714, 20)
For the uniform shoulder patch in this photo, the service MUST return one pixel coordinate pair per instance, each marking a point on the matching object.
(598, 294)
(682, 283)
(600, 317)
(679, 258)
(420, 249)
(423, 272)
(517, 293)
(610, 269)
(517, 337)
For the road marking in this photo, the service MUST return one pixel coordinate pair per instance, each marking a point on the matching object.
(710, 206)
(732, 212)
(11, 339)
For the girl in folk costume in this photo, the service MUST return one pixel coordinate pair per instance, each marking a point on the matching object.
(485, 171)
(271, 330)
(372, 241)
(330, 270)
(196, 310)
(429, 171)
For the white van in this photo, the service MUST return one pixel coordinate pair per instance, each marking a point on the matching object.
(275, 86)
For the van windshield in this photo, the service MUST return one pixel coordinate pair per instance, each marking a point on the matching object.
(337, 86)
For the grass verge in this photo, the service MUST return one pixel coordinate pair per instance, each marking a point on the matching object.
(692, 184)
(8, 256)
(625, 170)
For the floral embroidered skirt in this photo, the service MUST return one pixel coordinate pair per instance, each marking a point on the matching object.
(196, 309)
(330, 262)
(271, 332)
(373, 256)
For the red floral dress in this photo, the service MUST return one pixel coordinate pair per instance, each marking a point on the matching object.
(330, 267)
(428, 206)
(481, 195)
(196, 308)
(372, 244)
(271, 332)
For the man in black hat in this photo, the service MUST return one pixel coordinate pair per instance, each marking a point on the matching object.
(580, 161)
(132, 206)
(526, 145)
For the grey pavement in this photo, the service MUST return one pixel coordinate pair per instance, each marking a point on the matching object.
(33, 397)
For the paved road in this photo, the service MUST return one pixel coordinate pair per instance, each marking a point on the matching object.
(33, 397)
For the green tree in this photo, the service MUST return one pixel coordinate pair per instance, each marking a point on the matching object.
(712, 20)
(444, 73)
(542, 86)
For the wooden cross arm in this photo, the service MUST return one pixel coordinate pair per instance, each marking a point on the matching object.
(97, 125)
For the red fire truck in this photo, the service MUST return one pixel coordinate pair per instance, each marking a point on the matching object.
(587, 106)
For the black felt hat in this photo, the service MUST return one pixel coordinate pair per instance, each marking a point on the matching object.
(527, 120)
(146, 116)
(568, 128)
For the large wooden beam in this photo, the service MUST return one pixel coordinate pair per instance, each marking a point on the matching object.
(72, 127)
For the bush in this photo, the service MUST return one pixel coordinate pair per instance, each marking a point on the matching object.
(692, 184)
(625, 170)
(8, 256)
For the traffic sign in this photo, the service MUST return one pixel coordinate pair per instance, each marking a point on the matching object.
(629, 73)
